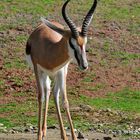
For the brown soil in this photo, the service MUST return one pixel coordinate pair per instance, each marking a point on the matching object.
(51, 136)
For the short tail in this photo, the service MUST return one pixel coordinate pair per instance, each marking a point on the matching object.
(28, 54)
(28, 48)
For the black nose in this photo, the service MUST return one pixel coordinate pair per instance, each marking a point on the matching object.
(84, 67)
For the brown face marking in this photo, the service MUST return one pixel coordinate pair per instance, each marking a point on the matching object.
(80, 42)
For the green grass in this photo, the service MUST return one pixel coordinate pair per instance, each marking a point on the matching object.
(6, 122)
(125, 57)
(17, 113)
(133, 28)
(19, 11)
(17, 63)
(21, 38)
(85, 125)
(7, 107)
(125, 100)
(137, 70)
(106, 46)
(89, 77)
(16, 7)
(96, 87)
(120, 10)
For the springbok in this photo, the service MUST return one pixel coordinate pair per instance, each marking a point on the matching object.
(50, 48)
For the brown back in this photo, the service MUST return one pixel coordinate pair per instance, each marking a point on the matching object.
(48, 48)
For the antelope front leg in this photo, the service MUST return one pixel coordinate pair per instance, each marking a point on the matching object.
(56, 98)
(66, 107)
(62, 79)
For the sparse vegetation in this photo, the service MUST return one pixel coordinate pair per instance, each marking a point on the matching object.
(115, 41)
(125, 100)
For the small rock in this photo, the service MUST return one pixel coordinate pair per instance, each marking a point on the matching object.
(87, 114)
(87, 108)
(35, 128)
(1, 125)
(12, 131)
(66, 128)
(96, 120)
(3, 129)
(100, 125)
(68, 134)
(92, 129)
(75, 109)
(80, 136)
(110, 131)
(28, 124)
(27, 130)
(31, 127)
(114, 135)
(136, 132)
(19, 129)
(107, 138)
(139, 129)
(125, 132)
(52, 127)
(130, 132)
(119, 132)
(109, 110)
(35, 131)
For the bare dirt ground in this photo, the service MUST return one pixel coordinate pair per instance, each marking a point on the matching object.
(55, 135)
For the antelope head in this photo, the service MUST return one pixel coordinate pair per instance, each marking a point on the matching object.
(77, 40)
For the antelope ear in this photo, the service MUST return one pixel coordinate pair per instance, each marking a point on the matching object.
(53, 27)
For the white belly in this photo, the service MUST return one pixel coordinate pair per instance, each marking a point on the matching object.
(47, 71)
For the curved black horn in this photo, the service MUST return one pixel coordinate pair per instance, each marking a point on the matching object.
(88, 19)
(70, 23)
